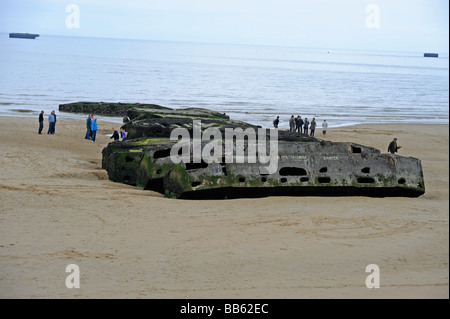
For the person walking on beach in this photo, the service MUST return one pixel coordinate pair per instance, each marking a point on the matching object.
(313, 126)
(393, 147)
(115, 134)
(88, 127)
(41, 122)
(324, 127)
(276, 122)
(124, 134)
(93, 130)
(51, 123)
(54, 125)
(305, 126)
(300, 124)
(292, 124)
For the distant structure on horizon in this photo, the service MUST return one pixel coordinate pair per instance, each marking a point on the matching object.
(431, 55)
(23, 35)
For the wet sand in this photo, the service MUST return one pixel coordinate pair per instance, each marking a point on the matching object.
(57, 207)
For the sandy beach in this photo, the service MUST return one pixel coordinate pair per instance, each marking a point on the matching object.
(57, 207)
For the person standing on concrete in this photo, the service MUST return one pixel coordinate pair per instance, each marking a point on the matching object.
(313, 126)
(300, 124)
(292, 124)
(305, 126)
(393, 147)
(296, 123)
(324, 127)
(41, 122)
(276, 122)
(93, 130)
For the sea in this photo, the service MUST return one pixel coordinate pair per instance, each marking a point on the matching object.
(251, 83)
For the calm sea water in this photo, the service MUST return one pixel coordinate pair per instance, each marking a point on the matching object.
(250, 83)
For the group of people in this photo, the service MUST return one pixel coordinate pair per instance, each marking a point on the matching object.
(91, 127)
(51, 122)
(115, 134)
(91, 130)
(303, 126)
(296, 124)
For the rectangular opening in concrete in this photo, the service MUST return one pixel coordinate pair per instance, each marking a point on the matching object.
(366, 180)
(193, 166)
(366, 170)
(324, 180)
(356, 149)
(292, 171)
(161, 153)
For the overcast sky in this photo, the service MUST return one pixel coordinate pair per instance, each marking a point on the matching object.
(397, 25)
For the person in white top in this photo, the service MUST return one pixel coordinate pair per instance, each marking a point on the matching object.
(324, 127)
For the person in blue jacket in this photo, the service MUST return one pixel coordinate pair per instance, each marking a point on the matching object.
(51, 123)
(93, 129)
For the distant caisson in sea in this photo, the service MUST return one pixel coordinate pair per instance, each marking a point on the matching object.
(23, 35)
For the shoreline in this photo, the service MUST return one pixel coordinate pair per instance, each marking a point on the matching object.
(58, 207)
(26, 113)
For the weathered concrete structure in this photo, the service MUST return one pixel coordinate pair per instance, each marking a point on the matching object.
(162, 127)
(304, 165)
(306, 168)
(138, 111)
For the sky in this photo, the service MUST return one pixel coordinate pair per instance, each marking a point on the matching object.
(392, 25)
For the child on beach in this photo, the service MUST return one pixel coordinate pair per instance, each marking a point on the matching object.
(124, 134)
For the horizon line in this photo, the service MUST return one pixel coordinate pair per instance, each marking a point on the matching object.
(226, 43)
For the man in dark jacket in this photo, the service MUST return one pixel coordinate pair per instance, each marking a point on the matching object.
(393, 147)
(41, 122)
(300, 124)
(54, 125)
(292, 124)
(305, 126)
(88, 127)
(276, 122)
